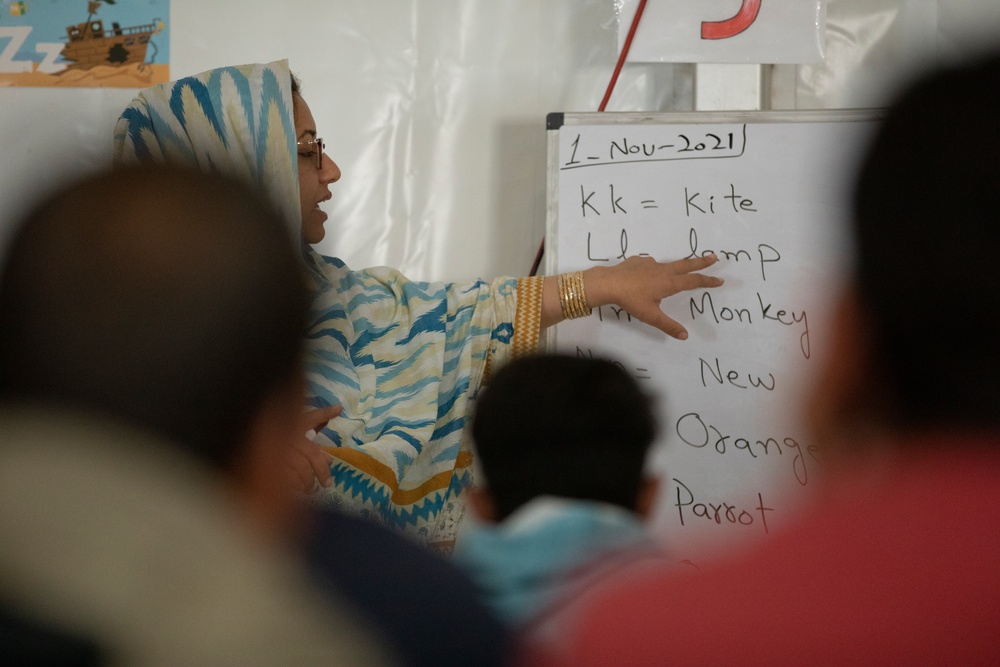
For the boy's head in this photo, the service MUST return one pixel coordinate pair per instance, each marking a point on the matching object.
(565, 426)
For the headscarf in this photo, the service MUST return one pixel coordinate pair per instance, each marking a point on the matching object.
(234, 120)
(403, 358)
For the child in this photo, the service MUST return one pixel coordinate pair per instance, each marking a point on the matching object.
(562, 443)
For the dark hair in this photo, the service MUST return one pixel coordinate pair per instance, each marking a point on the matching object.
(928, 235)
(554, 424)
(296, 84)
(167, 298)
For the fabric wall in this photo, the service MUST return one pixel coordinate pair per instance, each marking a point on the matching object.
(435, 110)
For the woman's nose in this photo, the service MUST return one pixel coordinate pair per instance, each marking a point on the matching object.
(330, 172)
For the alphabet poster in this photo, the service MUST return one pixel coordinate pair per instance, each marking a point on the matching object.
(726, 31)
(81, 43)
(767, 193)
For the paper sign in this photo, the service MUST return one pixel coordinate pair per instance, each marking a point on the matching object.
(725, 31)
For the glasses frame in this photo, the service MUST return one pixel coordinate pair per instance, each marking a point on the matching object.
(319, 147)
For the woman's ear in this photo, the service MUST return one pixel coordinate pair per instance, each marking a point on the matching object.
(482, 504)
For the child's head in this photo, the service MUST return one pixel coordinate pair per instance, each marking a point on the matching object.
(559, 425)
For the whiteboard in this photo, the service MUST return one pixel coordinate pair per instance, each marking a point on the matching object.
(768, 193)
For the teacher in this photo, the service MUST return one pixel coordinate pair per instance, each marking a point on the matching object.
(403, 360)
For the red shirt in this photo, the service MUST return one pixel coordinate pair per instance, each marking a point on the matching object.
(902, 571)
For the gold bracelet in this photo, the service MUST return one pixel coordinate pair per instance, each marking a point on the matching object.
(572, 297)
(579, 296)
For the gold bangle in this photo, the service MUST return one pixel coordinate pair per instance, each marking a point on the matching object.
(579, 296)
(572, 296)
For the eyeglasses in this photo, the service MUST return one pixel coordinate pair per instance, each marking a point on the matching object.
(318, 145)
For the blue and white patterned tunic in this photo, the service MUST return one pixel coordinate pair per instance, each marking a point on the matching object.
(403, 358)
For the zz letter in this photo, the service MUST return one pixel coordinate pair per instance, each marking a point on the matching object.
(17, 35)
(732, 26)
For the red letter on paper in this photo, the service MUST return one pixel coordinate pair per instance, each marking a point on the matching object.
(734, 25)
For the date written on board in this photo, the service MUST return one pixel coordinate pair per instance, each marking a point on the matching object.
(691, 508)
(722, 142)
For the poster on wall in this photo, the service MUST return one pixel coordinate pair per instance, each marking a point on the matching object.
(84, 44)
(725, 31)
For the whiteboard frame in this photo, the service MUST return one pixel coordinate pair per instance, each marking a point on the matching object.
(696, 541)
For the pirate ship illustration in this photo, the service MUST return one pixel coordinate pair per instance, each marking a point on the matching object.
(91, 43)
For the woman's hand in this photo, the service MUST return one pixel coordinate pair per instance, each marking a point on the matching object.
(309, 464)
(638, 285)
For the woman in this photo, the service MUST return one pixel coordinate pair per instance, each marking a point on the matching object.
(402, 360)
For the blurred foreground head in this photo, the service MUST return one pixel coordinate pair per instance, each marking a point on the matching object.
(168, 299)
(917, 339)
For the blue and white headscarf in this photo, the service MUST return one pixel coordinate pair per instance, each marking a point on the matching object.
(403, 358)
(233, 120)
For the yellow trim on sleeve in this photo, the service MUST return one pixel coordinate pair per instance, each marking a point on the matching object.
(528, 316)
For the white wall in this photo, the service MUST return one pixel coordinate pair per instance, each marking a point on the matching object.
(435, 110)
